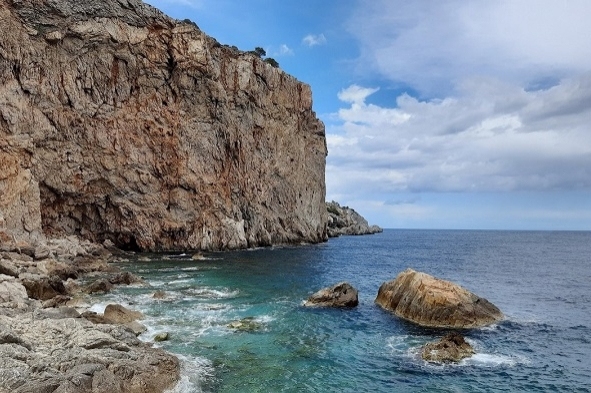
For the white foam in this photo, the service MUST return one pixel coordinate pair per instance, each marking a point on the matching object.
(181, 281)
(213, 293)
(98, 308)
(405, 344)
(493, 360)
(194, 372)
(191, 268)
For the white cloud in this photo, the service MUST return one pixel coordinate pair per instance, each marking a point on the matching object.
(355, 94)
(314, 40)
(433, 46)
(489, 137)
(283, 50)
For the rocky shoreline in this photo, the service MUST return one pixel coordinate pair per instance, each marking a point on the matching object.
(343, 220)
(49, 342)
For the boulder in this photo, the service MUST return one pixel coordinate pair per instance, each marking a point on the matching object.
(51, 267)
(339, 295)
(161, 337)
(56, 313)
(56, 301)
(94, 317)
(136, 327)
(116, 313)
(159, 295)
(8, 268)
(43, 287)
(451, 348)
(432, 302)
(41, 252)
(99, 286)
(125, 278)
(12, 293)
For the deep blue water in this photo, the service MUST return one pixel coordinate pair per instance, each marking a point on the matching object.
(540, 280)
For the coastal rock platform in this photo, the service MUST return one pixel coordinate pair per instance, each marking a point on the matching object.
(47, 345)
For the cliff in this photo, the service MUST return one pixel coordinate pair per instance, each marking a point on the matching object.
(120, 123)
(343, 220)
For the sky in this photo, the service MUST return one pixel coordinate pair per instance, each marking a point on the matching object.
(439, 114)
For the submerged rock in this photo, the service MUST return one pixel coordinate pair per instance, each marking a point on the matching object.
(451, 348)
(429, 301)
(247, 324)
(161, 337)
(339, 295)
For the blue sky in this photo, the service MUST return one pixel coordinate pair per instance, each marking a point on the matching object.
(455, 114)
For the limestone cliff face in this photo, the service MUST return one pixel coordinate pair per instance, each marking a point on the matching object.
(117, 122)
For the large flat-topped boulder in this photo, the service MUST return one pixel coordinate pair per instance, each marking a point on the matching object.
(432, 302)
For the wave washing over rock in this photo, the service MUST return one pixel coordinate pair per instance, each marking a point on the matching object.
(343, 220)
(119, 123)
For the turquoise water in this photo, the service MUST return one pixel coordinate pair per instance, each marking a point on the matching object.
(540, 280)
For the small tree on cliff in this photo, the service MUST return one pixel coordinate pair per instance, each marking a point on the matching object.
(260, 52)
(271, 61)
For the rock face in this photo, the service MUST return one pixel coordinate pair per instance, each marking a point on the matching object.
(46, 346)
(451, 348)
(74, 355)
(118, 123)
(343, 220)
(339, 295)
(429, 301)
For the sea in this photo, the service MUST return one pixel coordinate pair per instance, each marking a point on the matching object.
(541, 281)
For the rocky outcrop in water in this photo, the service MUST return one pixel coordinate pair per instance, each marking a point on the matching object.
(343, 220)
(339, 295)
(432, 302)
(119, 123)
(450, 348)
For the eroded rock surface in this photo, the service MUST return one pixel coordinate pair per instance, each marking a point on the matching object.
(119, 123)
(74, 355)
(46, 345)
(343, 220)
(429, 301)
(339, 295)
